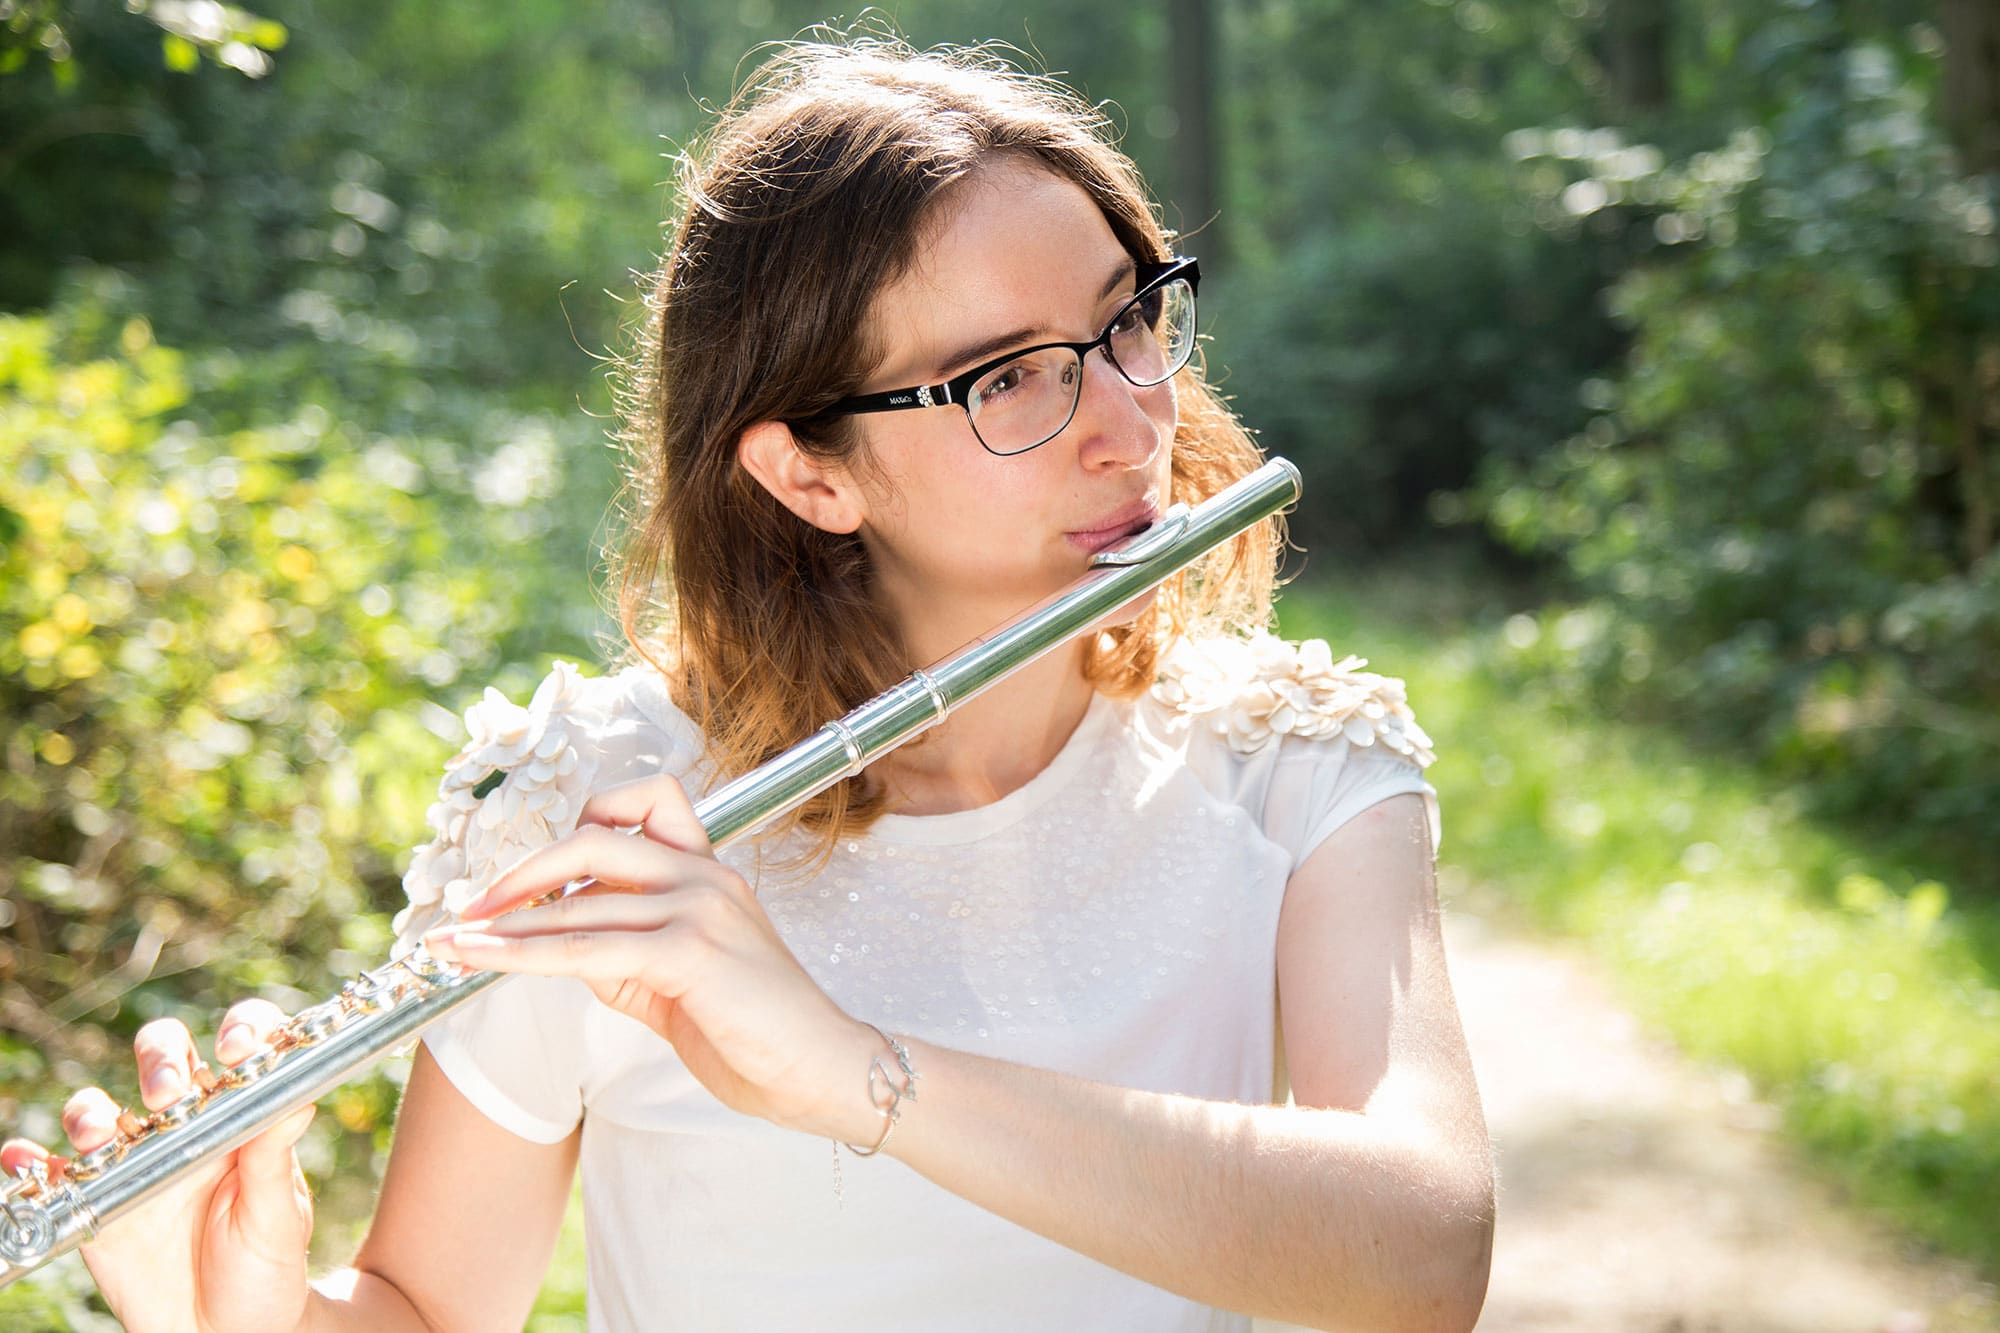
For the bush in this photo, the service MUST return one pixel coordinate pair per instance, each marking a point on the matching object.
(1783, 505)
(220, 647)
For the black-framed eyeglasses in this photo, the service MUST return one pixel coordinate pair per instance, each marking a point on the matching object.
(1026, 398)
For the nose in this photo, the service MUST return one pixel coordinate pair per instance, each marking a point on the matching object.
(1117, 423)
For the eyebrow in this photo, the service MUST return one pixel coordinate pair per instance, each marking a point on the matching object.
(974, 353)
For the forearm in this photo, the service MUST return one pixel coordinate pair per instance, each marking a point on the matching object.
(349, 1299)
(1314, 1216)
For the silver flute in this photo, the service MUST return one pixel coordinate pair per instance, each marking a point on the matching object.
(47, 1212)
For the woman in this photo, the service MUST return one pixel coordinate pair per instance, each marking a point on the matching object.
(1033, 958)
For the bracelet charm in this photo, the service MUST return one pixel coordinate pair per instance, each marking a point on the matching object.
(883, 1092)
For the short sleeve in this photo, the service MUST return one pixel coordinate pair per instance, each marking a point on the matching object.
(518, 1051)
(1321, 786)
(1287, 729)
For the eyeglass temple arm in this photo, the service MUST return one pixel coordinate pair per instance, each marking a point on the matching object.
(896, 400)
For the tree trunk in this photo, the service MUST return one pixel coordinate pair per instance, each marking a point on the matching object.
(1636, 59)
(1978, 373)
(1193, 64)
(1971, 100)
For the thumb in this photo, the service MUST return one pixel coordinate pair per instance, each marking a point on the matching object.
(265, 1204)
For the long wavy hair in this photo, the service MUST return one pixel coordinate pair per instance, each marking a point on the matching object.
(805, 200)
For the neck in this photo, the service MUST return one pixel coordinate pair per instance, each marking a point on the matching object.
(994, 744)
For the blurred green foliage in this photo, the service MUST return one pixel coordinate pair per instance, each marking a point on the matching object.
(424, 181)
(1782, 504)
(223, 634)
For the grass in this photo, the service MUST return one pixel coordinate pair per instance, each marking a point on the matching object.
(1852, 991)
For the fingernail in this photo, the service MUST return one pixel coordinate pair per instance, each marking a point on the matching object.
(97, 1121)
(460, 926)
(449, 945)
(233, 1038)
(166, 1081)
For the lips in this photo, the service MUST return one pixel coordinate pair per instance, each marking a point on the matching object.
(1115, 526)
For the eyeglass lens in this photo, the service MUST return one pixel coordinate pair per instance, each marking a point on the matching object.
(1027, 401)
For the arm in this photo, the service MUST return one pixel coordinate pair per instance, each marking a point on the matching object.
(467, 1221)
(1367, 1205)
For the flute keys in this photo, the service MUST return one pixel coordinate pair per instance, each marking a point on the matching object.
(180, 1111)
(320, 1026)
(367, 994)
(255, 1065)
(434, 971)
(27, 1231)
(311, 1025)
(90, 1165)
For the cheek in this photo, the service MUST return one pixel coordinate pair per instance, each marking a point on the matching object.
(936, 492)
(1162, 405)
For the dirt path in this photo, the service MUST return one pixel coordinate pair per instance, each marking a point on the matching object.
(1641, 1195)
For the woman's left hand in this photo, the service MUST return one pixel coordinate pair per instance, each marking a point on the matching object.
(672, 937)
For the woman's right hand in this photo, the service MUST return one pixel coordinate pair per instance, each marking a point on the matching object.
(224, 1251)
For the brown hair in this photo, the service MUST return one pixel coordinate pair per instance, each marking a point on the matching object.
(806, 200)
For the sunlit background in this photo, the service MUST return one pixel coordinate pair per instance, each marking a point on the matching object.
(1642, 357)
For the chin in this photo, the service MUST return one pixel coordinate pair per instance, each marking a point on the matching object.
(1127, 613)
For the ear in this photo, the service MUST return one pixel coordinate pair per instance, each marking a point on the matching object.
(821, 495)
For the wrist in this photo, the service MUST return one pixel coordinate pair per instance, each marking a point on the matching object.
(866, 1080)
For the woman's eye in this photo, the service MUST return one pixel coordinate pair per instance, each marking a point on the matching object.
(1003, 381)
(1142, 313)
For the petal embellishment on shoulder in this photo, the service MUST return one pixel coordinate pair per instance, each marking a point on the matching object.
(1253, 691)
(519, 783)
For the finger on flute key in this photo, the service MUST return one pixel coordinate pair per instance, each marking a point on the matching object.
(90, 1118)
(167, 1061)
(248, 1025)
(17, 1153)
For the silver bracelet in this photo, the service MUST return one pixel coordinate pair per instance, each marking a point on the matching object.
(883, 1093)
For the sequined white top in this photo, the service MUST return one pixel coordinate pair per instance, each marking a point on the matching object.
(1114, 918)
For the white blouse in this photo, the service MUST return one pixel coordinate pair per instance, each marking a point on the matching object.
(1115, 918)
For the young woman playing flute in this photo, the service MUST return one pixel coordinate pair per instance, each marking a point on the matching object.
(918, 349)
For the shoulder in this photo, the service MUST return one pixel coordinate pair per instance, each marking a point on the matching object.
(525, 771)
(1254, 693)
(1284, 730)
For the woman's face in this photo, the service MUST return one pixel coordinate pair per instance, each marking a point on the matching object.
(962, 538)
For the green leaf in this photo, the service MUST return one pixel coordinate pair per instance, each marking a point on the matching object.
(182, 56)
(1863, 895)
(1925, 906)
